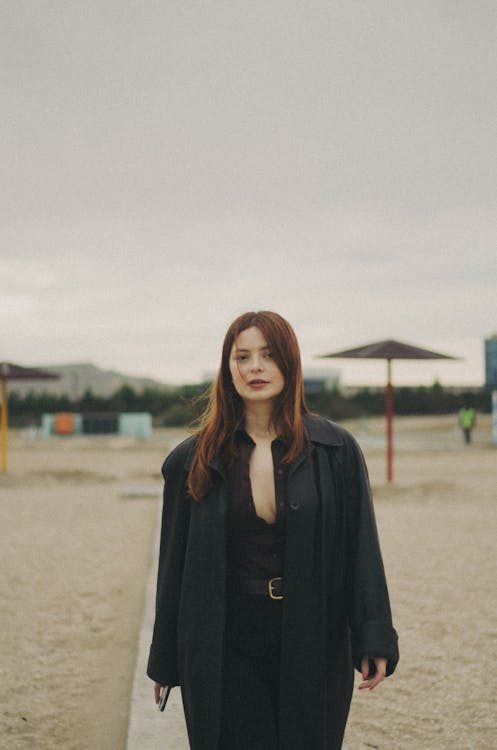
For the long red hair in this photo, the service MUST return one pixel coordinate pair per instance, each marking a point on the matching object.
(225, 409)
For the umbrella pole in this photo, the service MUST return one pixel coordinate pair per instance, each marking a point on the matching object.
(4, 424)
(389, 415)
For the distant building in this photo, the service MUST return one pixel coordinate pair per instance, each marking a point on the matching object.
(491, 362)
(75, 379)
(320, 380)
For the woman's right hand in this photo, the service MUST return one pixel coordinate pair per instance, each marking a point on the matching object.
(157, 689)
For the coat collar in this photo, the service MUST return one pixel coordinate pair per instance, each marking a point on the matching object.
(215, 464)
(319, 430)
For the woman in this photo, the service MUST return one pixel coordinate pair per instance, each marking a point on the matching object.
(271, 584)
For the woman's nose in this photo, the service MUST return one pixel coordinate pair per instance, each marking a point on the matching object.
(256, 364)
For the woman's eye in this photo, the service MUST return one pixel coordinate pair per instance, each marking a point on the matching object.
(269, 355)
(242, 357)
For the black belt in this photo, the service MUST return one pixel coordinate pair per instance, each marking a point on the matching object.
(273, 588)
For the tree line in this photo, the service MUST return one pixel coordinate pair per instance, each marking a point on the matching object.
(182, 405)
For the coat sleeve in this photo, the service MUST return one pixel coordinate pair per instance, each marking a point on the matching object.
(163, 661)
(368, 602)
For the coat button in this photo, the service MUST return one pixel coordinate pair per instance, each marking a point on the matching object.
(294, 505)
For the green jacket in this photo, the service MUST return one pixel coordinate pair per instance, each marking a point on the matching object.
(467, 418)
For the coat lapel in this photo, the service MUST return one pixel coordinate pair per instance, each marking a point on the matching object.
(319, 431)
(217, 465)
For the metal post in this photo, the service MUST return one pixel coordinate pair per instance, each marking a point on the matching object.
(389, 414)
(4, 421)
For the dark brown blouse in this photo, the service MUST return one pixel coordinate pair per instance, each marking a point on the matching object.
(255, 547)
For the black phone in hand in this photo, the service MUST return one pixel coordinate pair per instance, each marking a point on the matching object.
(163, 696)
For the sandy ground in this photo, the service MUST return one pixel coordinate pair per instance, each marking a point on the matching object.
(438, 526)
(75, 554)
(75, 557)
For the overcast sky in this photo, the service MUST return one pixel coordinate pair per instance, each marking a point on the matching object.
(169, 164)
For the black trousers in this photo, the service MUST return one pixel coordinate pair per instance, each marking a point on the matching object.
(249, 719)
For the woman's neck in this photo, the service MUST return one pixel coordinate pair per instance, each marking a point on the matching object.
(258, 421)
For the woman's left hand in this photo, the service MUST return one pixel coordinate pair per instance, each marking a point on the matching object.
(380, 674)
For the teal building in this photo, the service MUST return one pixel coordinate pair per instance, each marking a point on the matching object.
(491, 363)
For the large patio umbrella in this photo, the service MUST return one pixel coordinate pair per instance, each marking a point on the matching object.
(388, 349)
(8, 372)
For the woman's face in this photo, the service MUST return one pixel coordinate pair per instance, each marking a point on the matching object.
(255, 374)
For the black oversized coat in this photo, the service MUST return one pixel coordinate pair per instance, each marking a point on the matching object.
(336, 607)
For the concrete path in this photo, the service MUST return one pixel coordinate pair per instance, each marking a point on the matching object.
(148, 728)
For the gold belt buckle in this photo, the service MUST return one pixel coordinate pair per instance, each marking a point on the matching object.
(270, 588)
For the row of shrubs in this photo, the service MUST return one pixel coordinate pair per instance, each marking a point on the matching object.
(182, 405)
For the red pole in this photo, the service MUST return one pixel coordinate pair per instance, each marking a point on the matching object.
(389, 414)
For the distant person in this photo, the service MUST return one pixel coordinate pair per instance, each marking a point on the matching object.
(467, 419)
(271, 585)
